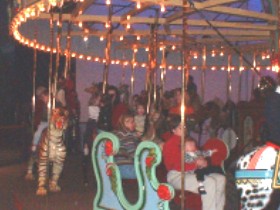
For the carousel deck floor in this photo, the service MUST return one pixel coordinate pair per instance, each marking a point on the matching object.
(18, 194)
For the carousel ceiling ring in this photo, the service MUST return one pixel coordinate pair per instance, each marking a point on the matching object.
(129, 24)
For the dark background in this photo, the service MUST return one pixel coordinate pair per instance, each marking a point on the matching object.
(16, 66)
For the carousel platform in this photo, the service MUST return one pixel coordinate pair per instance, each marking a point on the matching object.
(16, 193)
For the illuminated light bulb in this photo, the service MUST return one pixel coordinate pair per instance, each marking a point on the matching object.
(126, 63)
(170, 67)
(213, 68)
(161, 48)
(179, 68)
(194, 68)
(32, 44)
(128, 17)
(221, 53)
(173, 47)
(128, 26)
(104, 60)
(113, 62)
(73, 55)
(222, 68)
(138, 37)
(48, 49)
(268, 56)
(268, 68)
(101, 38)
(143, 65)
(138, 5)
(147, 49)
(80, 24)
(96, 59)
(195, 55)
(33, 13)
(107, 25)
(108, 2)
(232, 68)
(241, 68)
(121, 38)
(54, 50)
(213, 54)
(135, 50)
(85, 38)
(162, 8)
(81, 56)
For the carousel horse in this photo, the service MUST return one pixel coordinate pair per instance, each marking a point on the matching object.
(52, 148)
(110, 194)
(258, 178)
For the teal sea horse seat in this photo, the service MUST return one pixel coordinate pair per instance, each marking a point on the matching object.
(110, 195)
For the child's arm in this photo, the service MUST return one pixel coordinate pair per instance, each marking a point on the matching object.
(207, 153)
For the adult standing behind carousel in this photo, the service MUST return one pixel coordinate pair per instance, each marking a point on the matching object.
(271, 91)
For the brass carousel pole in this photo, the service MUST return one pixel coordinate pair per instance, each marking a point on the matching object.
(240, 77)
(34, 77)
(162, 72)
(57, 60)
(123, 71)
(68, 52)
(152, 62)
(253, 75)
(107, 49)
(185, 76)
(51, 61)
(132, 75)
(229, 78)
(204, 54)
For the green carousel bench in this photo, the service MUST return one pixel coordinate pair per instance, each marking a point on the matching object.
(110, 192)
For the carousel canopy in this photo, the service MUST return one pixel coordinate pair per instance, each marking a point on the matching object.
(214, 27)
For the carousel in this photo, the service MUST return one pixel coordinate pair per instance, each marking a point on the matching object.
(156, 46)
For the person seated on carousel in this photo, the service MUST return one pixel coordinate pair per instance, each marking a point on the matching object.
(140, 118)
(176, 109)
(192, 154)
(128, 143)
(214, 183)
(118, 107)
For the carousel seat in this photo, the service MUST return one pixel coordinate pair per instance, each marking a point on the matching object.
(110, 189)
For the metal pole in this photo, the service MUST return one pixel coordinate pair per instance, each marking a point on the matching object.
(107, 49)
(68, 51)
(185, 75)
(132, 75)
(253, 75)
(204, 54)
(240, 77)
(229, 78)
(57, 60)
(162, 72)
(34, 78)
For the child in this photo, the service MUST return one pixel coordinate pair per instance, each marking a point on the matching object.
(139, 119)
(128, 143)
(193, 155)
(93, 114)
